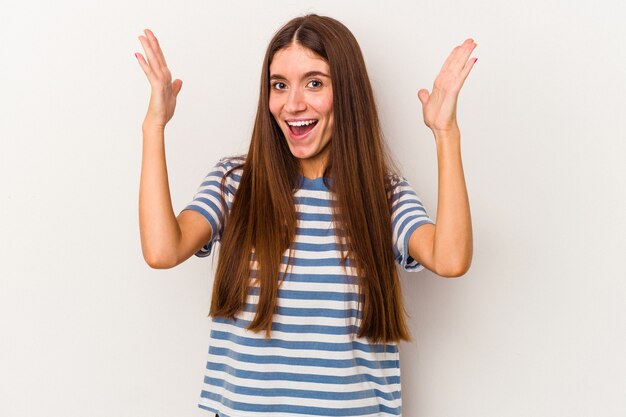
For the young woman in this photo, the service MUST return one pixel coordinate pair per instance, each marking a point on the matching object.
(307, 309)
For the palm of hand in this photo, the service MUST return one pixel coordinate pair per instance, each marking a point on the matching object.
(439, 107)
(163, 90)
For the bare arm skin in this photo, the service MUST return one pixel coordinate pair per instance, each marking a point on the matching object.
(166, 240)
(446, 248)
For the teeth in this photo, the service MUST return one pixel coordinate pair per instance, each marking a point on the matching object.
(302, 122)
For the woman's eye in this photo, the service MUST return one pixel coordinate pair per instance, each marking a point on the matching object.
(278, 85)
(318, 83)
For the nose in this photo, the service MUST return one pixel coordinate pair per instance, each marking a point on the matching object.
(295, 101)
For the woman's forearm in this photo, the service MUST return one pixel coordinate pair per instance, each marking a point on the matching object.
(453, 245)
(158, 226)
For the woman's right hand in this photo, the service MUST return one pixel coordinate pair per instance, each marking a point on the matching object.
(164, 91)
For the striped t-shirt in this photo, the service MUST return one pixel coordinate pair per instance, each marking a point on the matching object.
(313, 364)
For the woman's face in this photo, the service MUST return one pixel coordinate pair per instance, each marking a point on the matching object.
(301, 101)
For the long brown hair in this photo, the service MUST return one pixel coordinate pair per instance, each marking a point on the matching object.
(263, 217)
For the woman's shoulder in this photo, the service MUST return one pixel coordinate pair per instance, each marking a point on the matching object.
(393, 180)
(227, 171)
(233, 163)
(229, 168)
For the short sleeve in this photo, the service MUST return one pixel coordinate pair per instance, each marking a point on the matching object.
(407, 214)
(211, 203)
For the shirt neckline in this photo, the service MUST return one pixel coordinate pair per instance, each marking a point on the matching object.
(312, 183)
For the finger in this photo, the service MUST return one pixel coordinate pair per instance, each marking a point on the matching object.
(450, 58)
(155, 46)
(456, 56)
(467, 68)
(144, 65)
(423, 96)
(176, 86)
(463, 54)
(152, 60)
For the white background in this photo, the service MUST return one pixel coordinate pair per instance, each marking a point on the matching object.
(537, 327)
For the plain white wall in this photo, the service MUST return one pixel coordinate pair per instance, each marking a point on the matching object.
(537, 327)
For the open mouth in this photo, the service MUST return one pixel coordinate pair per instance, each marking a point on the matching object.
(301, 130)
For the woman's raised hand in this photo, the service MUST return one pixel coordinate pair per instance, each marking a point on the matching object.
(164, 91)
(439, 107)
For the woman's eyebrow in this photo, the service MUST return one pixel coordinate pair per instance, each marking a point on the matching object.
(308, 74)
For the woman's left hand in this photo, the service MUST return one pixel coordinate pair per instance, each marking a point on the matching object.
(439, 107)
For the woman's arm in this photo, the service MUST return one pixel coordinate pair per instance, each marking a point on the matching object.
(166, 240)
(446, 247)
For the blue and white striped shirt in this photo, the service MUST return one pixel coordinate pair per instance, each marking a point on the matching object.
(314, 364)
